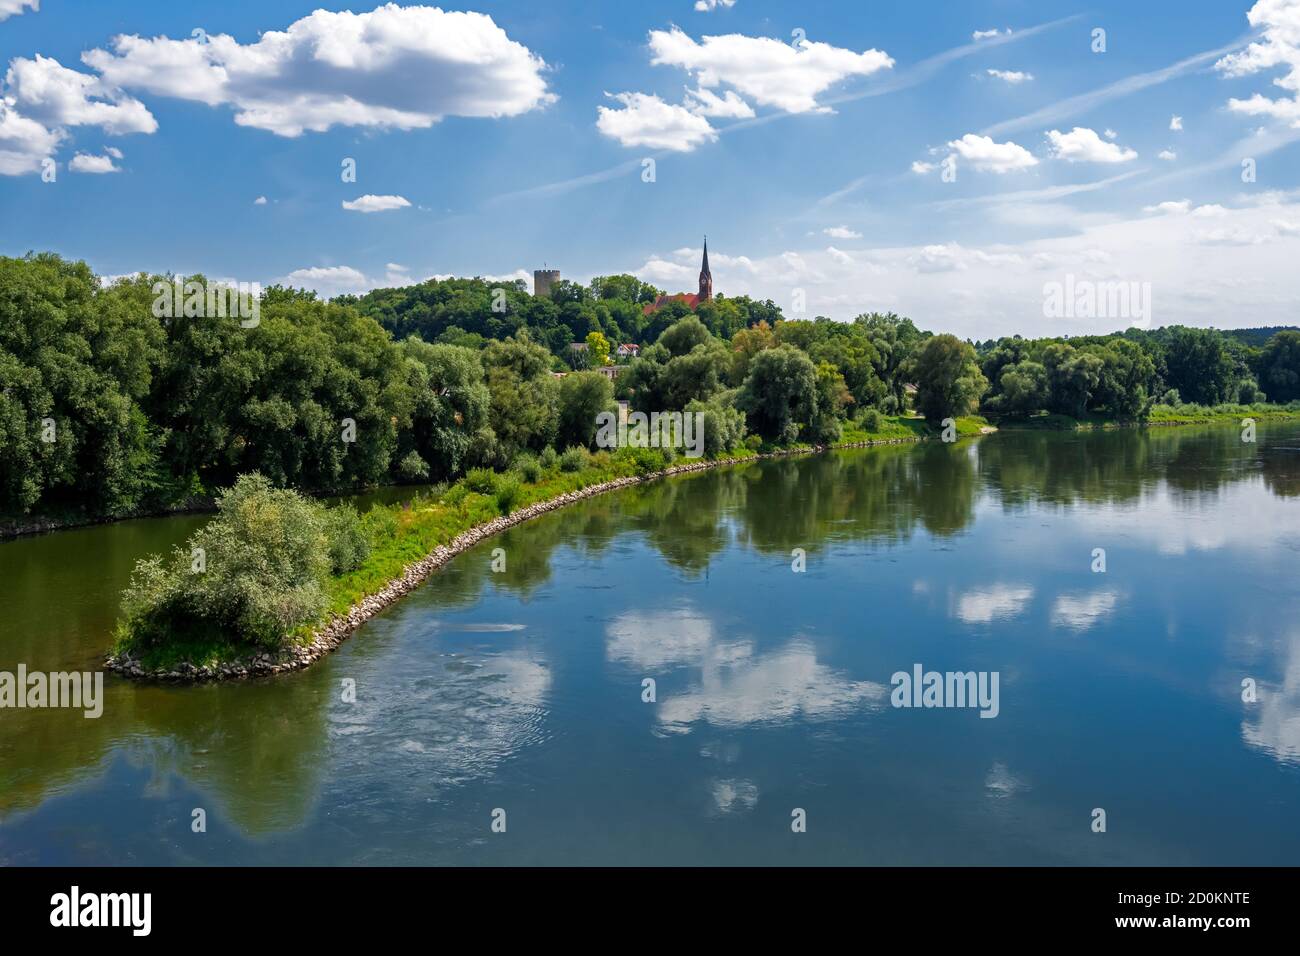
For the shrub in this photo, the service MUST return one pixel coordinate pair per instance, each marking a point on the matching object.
(529, 468)
(724, 424)
(380, 523)
(871, 420)
(481, 480)
(753, 442)
(575, 458)
(265, 559)
(455, 495)
(507, 493)
(413, 467)
(347, 540)
(549, 458)
(644, 460)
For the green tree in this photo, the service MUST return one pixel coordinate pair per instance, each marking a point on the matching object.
(583, 396)
(1072, 378)
(949, 382)
(1024, 388)
(450, 406)
(1199, 365)
(895, 340)
(779, 394)
(524, 410)
(1279, 367)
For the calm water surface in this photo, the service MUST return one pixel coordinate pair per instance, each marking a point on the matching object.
(523, 690)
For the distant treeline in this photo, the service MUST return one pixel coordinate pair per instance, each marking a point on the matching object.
(473, 311)
(107, 409)
(1123, 376)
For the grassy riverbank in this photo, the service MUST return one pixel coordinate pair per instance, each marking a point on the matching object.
(398, 537)
(1162, 415)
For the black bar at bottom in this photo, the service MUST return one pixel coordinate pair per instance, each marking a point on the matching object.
(333, 905)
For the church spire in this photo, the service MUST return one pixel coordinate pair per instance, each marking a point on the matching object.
(706, 277)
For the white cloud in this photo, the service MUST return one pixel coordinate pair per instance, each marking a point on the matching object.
(1276, 727)
(47, 91)
(729, 795)
(1167, 154)
(402, 276)
(739, 687)
(1010, 76)
(646, 120)
(24, 142)
(1232, 236)
(1175, 122)
(372, 203)
(1170, 206)
(841, 232)
(984, 154)
(1111, 134)
(990, 34)
(328, 275)
(43, 98)
(728, 106)
(998, 602)
(11, 8)
(113, 151)
(399, 67)
(1080, 612)
(1210, 211)
(985, 291)
(259, 201)
(1083, 145)
(708, 6)
(85, 163)
(839, 255)
(938, 258)
(921, 168)
(658, 639)
(657, 271)
(1278, 46)
(768, 71)
(328, 280)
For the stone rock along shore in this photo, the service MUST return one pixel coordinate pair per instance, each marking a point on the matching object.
(334, 632)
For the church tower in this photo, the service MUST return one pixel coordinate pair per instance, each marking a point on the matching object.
(706, 277)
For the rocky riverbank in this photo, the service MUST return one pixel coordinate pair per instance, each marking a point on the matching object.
(332, 634)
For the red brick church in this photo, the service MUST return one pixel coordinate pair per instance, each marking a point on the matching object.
(690, 299)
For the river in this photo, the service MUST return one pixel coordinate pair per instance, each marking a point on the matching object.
(520, 697)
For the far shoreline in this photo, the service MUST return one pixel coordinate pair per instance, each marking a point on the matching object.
(332, 633)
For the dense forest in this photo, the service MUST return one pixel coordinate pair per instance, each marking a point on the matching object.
(108, 410)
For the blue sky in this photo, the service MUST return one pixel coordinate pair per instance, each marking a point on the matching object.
(517, 136)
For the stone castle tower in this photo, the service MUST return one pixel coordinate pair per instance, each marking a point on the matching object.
(543, 279)
(706, 277)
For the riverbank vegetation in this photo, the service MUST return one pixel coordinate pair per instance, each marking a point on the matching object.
(107, 410)
(273, 565)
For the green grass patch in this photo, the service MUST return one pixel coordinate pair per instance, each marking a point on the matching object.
(1160, 415)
